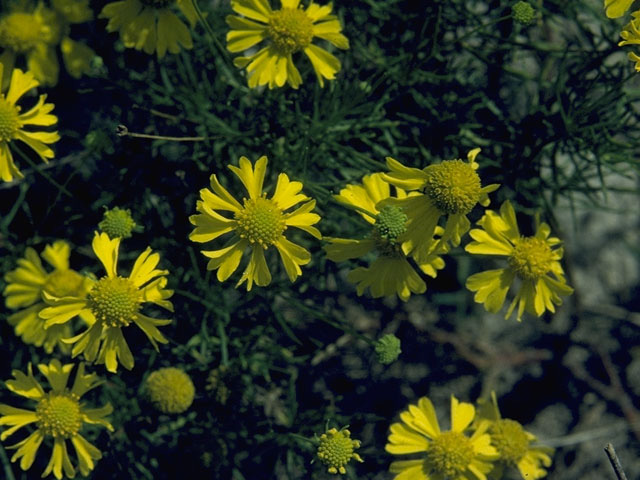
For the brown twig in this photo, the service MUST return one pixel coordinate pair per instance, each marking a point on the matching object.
(615, 462)
(484, 356)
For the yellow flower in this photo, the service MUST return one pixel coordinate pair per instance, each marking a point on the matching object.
(114, 302)
(336, 449)
(631, 36)
(513, 442)
(287, 31)
(533, 260)
(13, 123)
(24, 290)
(390, 273)
(450, 455)
(35, 34)
(58, 415)
(450, 188)
(616, 8)
(259, 223)
(151, 25)
(170, 390)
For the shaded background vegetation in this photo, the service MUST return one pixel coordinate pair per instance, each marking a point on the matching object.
(554, 109)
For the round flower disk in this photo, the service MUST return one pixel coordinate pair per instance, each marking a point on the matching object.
(170, 390)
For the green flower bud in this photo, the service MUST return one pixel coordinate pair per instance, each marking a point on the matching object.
(523, 13)
(117, 222)
(336, 448)
(388, 349)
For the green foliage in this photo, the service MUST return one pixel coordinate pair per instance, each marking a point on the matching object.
(554, 107)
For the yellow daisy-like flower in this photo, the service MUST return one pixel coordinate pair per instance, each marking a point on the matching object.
(151, 25)
(114, 302)
(390, 273)
(35, 35)
(287, 31)
(13, 123)
(24, 290)
(513, 443)
(450, 188)
(58, 415)
(450, 455)
(336, 448)
(258, 223)
(533, 260)
(616, 8)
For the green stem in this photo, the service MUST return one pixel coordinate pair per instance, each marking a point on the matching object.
(7, 466)
(323, 317)
(211, 33)
(123, 131)
(482, 27)
(37, 168)
(300, 437)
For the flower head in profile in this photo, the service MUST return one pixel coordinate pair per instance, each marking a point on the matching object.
(390, 273)
(13, 122)
(336, 448)
(616, 8)
(448, 189)
(114, 302)
(534, 261)
(170, 390)
(286, 32)
(151, 25)
(59, 415)
(513, 443)
(257, 224)
(25, 289)
(451, 455)
(35, 33)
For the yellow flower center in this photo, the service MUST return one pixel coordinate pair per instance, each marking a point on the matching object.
(170, 390)
(510, 440)
(115, 301)
(290, 30)
(20, 31)
(59, 415)
(450, 453)
(453, 186)
(9, 122)
(261, 221)
(335, 449)
(63, 283)
(531, 258)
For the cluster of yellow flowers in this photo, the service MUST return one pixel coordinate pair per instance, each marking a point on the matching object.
(414, 217)
(50, 301)
(404, 227)
(480, 444)
(152, 26)
(47, 302)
